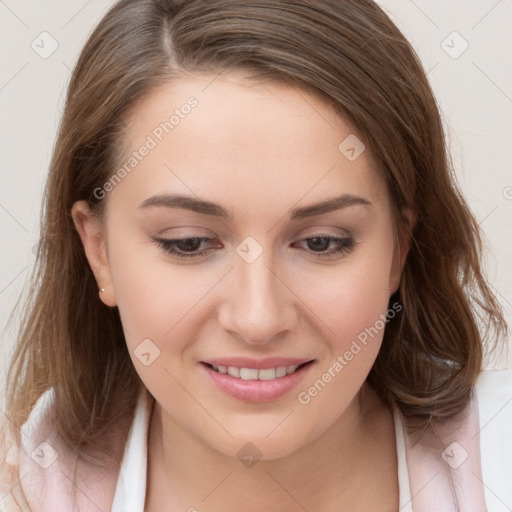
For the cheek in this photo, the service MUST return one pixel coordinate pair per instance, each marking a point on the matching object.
(165, 303)
(151, 295)
(156, 304)
(349, 297)
(352, 306)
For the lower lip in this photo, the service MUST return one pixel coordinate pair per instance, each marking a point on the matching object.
(257, 390)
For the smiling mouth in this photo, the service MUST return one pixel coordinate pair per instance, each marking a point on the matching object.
(257, 374)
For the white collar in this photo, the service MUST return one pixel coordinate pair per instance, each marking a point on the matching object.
(131, 484)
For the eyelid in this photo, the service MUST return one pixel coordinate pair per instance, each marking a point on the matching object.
(322, 230)
(182, 232)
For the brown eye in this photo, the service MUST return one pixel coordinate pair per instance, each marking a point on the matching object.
(191, 247)
(327, 245)
(188, 244)
(319, 243)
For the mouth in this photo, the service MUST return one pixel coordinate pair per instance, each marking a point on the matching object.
(244, 373)
(256, 381)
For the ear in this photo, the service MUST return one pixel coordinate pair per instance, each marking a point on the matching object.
(401, 249)
(92, 235)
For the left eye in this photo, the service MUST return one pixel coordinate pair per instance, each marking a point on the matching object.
(326, 245)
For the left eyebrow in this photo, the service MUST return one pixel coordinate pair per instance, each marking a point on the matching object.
(329, 205)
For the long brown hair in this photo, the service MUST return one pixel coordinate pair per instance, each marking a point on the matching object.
(353, 56)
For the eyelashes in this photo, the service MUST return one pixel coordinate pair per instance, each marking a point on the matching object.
(318, 245)
(189, 246)
(342, 244)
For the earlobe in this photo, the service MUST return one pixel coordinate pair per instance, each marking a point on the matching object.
(91, 232)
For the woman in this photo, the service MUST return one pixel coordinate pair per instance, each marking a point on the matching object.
(259, 287)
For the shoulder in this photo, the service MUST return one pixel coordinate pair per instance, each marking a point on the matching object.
(466, 461)
(14, 454)
(494, 394)
(52, 476)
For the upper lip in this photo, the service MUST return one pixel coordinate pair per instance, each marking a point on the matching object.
(257, 364)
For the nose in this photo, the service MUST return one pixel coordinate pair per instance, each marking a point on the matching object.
(258, 307)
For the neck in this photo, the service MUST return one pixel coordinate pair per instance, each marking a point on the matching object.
(186, 473)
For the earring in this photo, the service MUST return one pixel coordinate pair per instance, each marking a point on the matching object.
(102, 290)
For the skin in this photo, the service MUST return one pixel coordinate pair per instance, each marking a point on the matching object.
(259, 151)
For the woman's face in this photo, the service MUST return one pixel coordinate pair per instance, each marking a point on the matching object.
(252, 236)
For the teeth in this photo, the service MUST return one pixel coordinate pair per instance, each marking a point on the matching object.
(267, 374)
(254, 374)
(248, 374)
(281, 371)
(234, 371)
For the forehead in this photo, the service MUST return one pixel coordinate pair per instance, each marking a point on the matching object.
(215, 135)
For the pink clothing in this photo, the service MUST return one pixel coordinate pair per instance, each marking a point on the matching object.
(443, 470)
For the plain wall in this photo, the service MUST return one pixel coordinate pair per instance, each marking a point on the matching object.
(473, 87)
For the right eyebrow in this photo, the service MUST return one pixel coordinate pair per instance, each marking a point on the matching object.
(188, 203)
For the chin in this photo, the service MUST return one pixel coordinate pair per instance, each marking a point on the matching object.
(263, 444)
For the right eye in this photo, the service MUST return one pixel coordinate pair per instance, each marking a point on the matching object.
(185, 247)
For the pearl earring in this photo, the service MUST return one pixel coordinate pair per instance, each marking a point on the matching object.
(102, 290)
